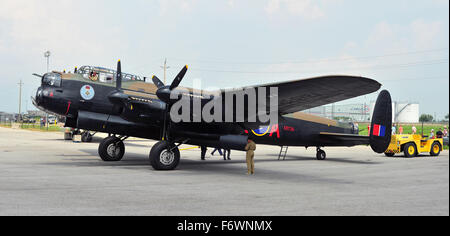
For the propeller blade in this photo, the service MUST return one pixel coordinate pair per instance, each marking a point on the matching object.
(157, 82)
(37, 75)
(179, 77)
(119, 76)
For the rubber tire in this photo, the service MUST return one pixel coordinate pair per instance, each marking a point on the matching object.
(389, 154)
(405, 150)
(86, 137)
(103, 153)
(321, 155)
(432, 153)
(155, 153)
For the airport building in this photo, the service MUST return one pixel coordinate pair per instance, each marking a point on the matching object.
(36, 113)
(350, 112)
(404, 112)
(6, 117)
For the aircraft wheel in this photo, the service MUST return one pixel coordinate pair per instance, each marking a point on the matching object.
(111, 149)
(86, 137)
(410, 150)
(164, 156)
(435, 149)
(321, 155)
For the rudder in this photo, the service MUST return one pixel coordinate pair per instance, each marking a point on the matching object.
(381, 127)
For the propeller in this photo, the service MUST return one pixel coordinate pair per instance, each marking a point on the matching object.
(163, 92)
(119, 76)
(118, 97)
(157, 82)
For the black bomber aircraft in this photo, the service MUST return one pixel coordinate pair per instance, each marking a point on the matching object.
(123, 105)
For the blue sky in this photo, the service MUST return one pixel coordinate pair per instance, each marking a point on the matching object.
(403, 44)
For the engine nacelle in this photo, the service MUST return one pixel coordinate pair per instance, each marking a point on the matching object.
(232, 142)
(115, 125)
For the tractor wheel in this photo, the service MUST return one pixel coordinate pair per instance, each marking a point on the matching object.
(389, 154)
(410, 150)
(435, 149)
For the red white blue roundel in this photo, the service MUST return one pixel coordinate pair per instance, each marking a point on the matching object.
(87, 92)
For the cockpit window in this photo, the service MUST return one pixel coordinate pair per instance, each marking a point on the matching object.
(104, 75)
(52, 79)
(107, 77)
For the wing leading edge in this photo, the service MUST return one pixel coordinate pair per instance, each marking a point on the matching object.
(300, 95)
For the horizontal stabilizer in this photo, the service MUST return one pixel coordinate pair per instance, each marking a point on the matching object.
(344, 139)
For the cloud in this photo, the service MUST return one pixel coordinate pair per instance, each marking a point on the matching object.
(391, 40)
(418, 35)
(307, 9)
(425, 34)
(231, 3)
(167, 6)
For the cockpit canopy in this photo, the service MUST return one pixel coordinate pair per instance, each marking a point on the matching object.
(52, 79)
(105, 75)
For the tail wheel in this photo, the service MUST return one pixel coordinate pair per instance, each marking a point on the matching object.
(164, 156)
(86, 137)
(321, 155)
(436, 149)
(111, 149)
(410, 150)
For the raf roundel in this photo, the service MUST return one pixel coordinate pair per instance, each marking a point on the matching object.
(87, 92)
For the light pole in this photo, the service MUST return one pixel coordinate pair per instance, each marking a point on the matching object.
(20, 101)
(165, 67)
(47, 55)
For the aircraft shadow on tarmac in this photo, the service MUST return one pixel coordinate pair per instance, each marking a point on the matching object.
(331, 159)
(142, 159)
(227, 169)
(99, 140)
(139, 161)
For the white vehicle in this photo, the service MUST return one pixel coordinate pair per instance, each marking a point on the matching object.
(52, 119)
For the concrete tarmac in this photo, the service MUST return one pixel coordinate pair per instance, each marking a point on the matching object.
(41, 174)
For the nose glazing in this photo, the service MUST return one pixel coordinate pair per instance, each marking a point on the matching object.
(39, 96)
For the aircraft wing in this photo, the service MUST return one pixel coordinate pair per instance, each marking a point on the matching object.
(343, 139)
(299, 95)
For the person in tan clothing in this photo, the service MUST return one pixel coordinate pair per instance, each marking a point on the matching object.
(250, 148)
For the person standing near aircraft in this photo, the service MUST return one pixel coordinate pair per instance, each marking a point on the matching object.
(250, 148)
(217, 150)
(226, 154)
(414, 130)
(440, 134)
(203, 155)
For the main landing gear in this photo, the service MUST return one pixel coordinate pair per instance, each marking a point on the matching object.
(321, 154)
(164, 156)
(112, 148)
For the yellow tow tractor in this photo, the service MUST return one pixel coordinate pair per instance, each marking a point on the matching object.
(413, 145)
